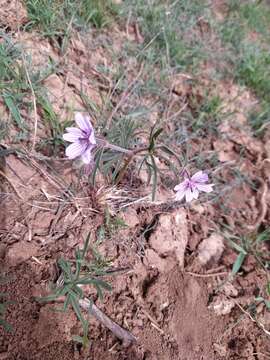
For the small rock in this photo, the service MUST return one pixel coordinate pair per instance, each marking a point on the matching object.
(198, 208)
(171, 236)
(221, 350)
(222, 306)
(21, 252)
(131, 218)
(230, 290)
(211, 249)
(153, 260)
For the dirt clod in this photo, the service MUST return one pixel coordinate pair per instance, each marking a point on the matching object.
(21, 252)
(170, 236)
(211, 249)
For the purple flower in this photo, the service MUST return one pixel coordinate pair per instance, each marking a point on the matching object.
(83, 139)
(191, 186)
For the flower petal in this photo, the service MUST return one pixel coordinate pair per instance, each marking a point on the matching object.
(205, 187)
(182, 186)
(179, 195)
(83, 121)
(180, 191)
(87, 156)
(92, 138)
(200, 177)
(73, 134)
(74, 150)
(190, 195)
(195, 193)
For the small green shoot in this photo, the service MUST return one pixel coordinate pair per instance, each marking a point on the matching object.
(249, 245)
(74, 275)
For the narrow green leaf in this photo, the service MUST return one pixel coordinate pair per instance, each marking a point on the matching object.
(154, 186)
(267, 304)
(149, 168)
(80, 254)
(268, 288)
(157, 133)
(78, 263)
(141, 164)
(78, 339)
(66, 268)
(9, 101)
(77, 310)
(57, 293)
(238, 263)
(238, 247)
(86, 244)
(93, 281)
(66, 302)
(169, 151)
(99, 292)
(98, 157)
(78, 290)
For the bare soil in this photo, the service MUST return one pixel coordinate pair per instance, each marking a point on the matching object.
(168, 299)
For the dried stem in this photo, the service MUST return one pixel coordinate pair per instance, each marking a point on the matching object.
(117, 330)
(106, 144)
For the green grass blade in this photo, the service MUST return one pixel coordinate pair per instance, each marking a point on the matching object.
(10, 104)
(238, 263)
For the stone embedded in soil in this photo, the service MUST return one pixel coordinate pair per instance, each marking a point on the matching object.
(21, 252)
(131, 218)
(211, 249)
(152, 259)
(230, 290)
(171, 236)
(222, 306)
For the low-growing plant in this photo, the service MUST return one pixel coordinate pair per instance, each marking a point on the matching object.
(113, 160)
(253, 69)
(56, 19)
(250, 245)
(18, 81)
(75, 275)
(259, 118)
(169, 31)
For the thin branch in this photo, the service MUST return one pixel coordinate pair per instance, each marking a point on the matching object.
(117, 330)
(259, 324)
(206, 275)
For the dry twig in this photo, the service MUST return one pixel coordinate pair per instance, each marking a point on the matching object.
(117, 330)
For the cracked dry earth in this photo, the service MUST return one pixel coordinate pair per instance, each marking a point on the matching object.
(167, 299)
